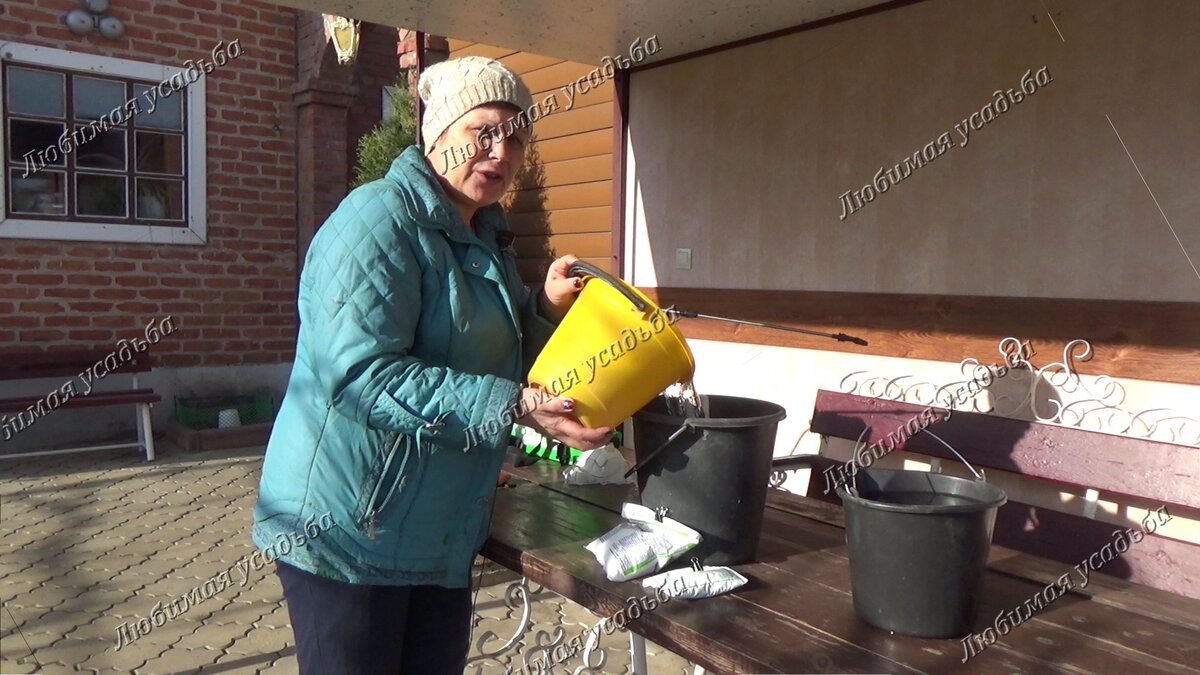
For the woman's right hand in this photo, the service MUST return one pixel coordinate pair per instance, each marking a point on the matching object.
(555, 417)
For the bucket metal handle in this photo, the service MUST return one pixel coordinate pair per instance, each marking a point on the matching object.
(654, 453)
(851, 487)
(979, 474)
(580, 268)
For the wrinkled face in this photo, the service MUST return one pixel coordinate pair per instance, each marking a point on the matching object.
(472, 175)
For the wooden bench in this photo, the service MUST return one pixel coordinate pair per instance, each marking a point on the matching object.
(19, 413)
(796, 614)
(1090, 463)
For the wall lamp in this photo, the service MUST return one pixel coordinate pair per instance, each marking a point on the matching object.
(344, 33)
(93, 18)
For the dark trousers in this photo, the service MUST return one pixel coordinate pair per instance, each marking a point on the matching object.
(355, 629)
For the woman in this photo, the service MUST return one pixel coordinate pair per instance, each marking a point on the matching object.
(414, 328)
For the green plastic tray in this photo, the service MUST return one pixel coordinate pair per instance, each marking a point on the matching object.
(201, 413)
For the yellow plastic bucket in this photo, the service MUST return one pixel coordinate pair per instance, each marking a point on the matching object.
(614, 351)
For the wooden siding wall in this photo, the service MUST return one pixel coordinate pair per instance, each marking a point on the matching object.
(561, 201)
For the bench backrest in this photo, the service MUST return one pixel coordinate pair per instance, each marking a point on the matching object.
(1159, 473)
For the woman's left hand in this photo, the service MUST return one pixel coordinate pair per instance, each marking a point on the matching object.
(560, 290)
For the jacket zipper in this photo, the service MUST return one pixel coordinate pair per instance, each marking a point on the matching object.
(371, 517)
(368, 522)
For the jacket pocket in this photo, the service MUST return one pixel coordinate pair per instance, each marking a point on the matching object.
(390, 487)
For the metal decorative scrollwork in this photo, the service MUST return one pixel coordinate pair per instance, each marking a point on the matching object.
(543, 641)
(1054, 394)
(592, 647)
(519, 596)
(919, 392)
(1099, 407)
(516, 596)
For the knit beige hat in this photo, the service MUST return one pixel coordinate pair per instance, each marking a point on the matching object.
(451, 88)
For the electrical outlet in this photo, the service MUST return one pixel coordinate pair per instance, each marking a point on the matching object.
(683, 258)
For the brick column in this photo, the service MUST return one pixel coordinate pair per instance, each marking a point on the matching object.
(335, 105)
(437, 49)
(322, 153)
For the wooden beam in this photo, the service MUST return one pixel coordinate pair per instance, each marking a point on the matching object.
(1135, 339)
(620, 119)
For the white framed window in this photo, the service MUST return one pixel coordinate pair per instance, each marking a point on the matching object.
(91, 152)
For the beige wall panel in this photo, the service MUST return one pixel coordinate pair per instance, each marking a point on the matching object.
(593, 96)
(524, 62)
(604, 263)
(577, 145)
(578, 120)
(566, 221)
(742, 155)
(593, 245)
(555, 77)
(598, 193)
(535, 269)
(477, 49)
(566, 172)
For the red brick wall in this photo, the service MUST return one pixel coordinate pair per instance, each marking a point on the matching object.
(233, 298)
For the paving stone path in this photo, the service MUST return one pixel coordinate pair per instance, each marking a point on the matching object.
(93, 540)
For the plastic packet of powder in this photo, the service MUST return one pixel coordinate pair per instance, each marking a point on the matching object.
(643, 545)
(694, 584)
(602, 466)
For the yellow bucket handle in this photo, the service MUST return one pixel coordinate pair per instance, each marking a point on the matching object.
(580, 268)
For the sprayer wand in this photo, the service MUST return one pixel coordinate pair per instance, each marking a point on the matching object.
(840, 337)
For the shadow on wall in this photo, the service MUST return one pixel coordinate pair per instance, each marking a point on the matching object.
(1041, 528)
(526, 211)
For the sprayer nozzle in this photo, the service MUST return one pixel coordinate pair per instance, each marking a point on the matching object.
(687, 313)
(842, 337)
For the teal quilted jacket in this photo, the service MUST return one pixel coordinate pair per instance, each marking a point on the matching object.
(411, 331)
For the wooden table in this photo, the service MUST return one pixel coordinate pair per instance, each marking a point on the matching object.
(796, 614)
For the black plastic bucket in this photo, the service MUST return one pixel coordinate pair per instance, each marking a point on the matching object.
(712, 476)
(918, 544)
